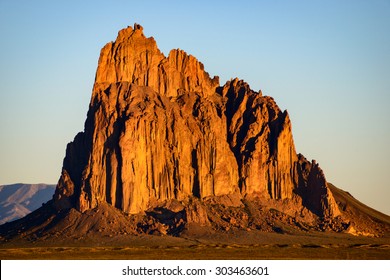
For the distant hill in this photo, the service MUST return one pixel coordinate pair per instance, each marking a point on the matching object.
(18, 200)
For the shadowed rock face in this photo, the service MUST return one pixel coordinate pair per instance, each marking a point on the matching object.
(259, 134)
(160, 129)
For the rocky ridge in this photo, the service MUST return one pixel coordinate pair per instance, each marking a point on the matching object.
(170, 148)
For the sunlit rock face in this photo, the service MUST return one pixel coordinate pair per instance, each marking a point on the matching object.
(136, 59)
(160, 129)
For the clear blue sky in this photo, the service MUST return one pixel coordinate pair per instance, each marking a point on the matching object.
(326, 62)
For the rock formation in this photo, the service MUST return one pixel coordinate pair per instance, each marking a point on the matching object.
(160, 129)
(167, 150)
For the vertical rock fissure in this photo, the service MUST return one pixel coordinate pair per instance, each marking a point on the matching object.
(114, 141)
(196, 183)
(108, 179)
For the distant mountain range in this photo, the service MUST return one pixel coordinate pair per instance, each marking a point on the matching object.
(18, 200)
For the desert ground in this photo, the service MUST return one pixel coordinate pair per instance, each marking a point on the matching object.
(232, 245)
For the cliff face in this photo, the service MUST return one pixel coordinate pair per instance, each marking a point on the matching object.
(146, 148)
(259, 134)
(160, 129)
